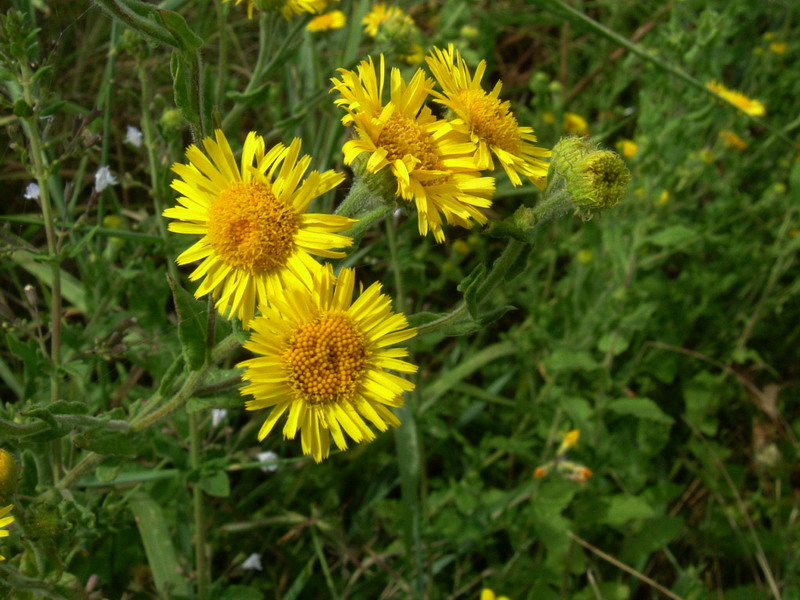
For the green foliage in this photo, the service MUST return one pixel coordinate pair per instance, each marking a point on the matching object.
(666, 329)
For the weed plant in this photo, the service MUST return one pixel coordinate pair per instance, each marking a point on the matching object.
(598, 401)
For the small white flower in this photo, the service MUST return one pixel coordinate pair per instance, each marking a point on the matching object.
(268, 460)
(133, 136)
(103, 178)
(32, 191)
(253, 563)
(218, 415)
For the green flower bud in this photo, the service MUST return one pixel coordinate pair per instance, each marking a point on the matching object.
(594, 179)
(8, 477)
(171, 119)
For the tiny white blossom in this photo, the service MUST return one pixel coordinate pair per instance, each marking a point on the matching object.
(133, 136)
(218, 415)
(268, 460)
(103, 178)
(32, 192)
(253, 563)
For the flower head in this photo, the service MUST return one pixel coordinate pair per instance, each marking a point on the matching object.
(5, 521)
(133, 136)
(487, 594)
(332, 20)
(574, 124)
(432, 162)
(31, 191)
(488, 121)
(380, 15)
(731, 140)
(103, 179)
(8, 475)
(754, 108)
(256, 237)
(628, 148)
(288, 8)
(323, 359)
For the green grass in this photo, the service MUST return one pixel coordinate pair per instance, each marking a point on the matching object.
(665, 329)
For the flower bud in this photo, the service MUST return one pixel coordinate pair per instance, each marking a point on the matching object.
(8, 476)
(595, 179)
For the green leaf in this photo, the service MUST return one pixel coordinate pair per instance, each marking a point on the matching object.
(625, 508)
(641, 408)
(216, 485)
(107, 443)
(106, 473)
(563, 359)
(470, 286)
(192, 325)
(158, 547)
(199, 404)
(672, 236)
(176, 25)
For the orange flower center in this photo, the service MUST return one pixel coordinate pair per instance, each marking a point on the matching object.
(325, 359)
(250, 229)
(402, 135)
(490, 119)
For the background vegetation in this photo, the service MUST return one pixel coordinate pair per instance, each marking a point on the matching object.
(666, 331)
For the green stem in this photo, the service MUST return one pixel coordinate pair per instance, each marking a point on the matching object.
(140, 423)
(396, 269)
(197, 501)
(40, 173)
(362, 198)
(367, 220)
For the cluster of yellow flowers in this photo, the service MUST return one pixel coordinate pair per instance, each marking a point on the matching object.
(437, 163)
(323, 358)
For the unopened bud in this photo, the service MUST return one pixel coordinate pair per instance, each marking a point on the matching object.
(595, 179)
(171, 119)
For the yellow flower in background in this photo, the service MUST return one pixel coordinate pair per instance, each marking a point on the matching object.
(4, 522)
(332, 20)
(432, 162)
(663, 198)
(628, 148)
(731, 140)
(380, 14)
(488, 121)
(323, 358)
(778, 47)
(8, 475)
(753, 108)
(574, 124)
(415, 56)
(487, 594)
(569, 440)
(548, 117)
(256, 238)
(288, 8)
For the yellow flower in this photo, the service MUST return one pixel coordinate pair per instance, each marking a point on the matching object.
(732, 140)
(487, 594)
(489, 122)
(570, 440)
(323, 358)
(4, 521)
(628, 148)
(415, 56)
(332, 20)
(288, 8)
(663, 198)
(256, 237)
(753, 108)
(432, 162)
(8, 475)
(574, 124)
(778, 47)
(380, 14)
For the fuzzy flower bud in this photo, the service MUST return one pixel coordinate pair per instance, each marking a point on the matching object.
(8, 476)
(595, 179)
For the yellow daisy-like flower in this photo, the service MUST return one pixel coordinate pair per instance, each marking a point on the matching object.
(754, 108)
(433, 163)
(732, 140)
(628, 148)
(489, 121)
(288, 8)
(332, 20)
(574, 124)
(256, 237)
(487, 594)
(4, 521)
(380, 14)
(323, 359)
